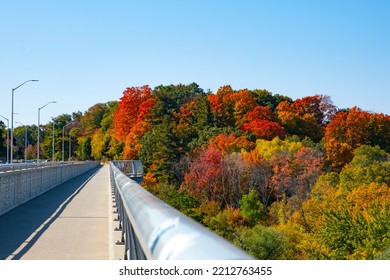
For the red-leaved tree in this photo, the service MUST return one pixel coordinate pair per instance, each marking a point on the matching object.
(128, 109)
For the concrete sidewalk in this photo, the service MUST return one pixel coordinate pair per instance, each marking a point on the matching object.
(72, 221)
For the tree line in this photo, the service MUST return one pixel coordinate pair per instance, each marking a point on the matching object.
(281, 178)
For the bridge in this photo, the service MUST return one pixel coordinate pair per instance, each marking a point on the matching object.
(88, 211)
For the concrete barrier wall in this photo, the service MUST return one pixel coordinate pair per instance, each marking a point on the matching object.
(18, 187)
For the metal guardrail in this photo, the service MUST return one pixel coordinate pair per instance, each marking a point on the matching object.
(131, 168)
(153, 230)
(24, 166)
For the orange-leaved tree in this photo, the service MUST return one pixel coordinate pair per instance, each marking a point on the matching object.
(138, 130)
(128, 109)
(231, 143)
(306, 117)
(350, 130)
(229, 106)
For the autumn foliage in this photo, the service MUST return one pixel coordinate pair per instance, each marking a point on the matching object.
(231, 143)
(281, 178)
(229, 106)
(263, 169)
(138, 130)
(352, 129)
(128, 109)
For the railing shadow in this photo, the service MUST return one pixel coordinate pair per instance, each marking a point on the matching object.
(21, 227)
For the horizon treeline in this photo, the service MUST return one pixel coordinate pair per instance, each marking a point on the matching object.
(281, 178)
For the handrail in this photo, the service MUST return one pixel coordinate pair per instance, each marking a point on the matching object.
(24, 166)
(152, 229)
(131, 168)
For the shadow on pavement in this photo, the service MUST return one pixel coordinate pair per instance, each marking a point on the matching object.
(36, 215)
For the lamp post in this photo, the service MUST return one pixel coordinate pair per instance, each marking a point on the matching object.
(63, 134)
(7, 137)
(70, 146)
(39, 116)
(12, 118)
(25, 142)
(52, 148)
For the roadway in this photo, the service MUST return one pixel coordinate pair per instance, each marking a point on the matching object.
(73, 221)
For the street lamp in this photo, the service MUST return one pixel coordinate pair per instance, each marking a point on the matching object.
(39, 116)
(7, 137)
(63, 134)
(25, 142)
(70, 141)
(70, 146)
(52, 148)
(12, 117)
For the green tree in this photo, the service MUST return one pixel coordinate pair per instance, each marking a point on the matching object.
(157, 152)
(19, 139)
(369, 165)
(227, 223)
(251, 208)
(359, 228)
(85, 151)
(191, 119)
(96, 132)
(107, 122)
(264, 243)
(166, 143)
(169, 99)
(91, 119)
(385, 254)
(266, 98)
(366, 155)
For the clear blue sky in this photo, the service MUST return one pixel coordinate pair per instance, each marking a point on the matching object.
(87, 52)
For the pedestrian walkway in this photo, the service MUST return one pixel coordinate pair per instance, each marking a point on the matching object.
(72, 221)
